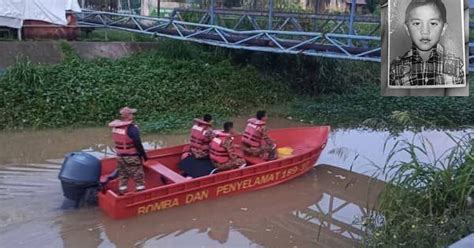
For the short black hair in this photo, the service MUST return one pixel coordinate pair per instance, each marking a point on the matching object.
(261, 114)
(207, 118)
(436, 3)
(228, 125)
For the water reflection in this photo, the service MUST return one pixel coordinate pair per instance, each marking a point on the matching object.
(317, 209)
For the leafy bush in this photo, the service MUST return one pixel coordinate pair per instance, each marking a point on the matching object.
(173, 81)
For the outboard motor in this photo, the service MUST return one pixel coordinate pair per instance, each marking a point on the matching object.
(80, 178)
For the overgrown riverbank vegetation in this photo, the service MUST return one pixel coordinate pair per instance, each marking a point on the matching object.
(425, 204)
(179, 81)
(169, 86)
(347, 94)
(428, 200)
(364, 107)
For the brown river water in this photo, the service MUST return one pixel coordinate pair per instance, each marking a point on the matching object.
(318, 209)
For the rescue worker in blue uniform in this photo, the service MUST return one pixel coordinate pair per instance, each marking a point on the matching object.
(427, 62)
(129, 150)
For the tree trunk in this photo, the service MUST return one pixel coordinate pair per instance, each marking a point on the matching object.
(320, 6)
(316, 6)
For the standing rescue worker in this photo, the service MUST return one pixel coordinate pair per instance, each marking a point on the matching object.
(255, 141)
(222, 151)
(201, 136)
(129, 149)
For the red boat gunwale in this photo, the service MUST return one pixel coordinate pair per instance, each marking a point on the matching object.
(307, 142)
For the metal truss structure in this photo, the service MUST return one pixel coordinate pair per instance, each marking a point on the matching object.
(289, 21)
(331, 36)
(331, 44)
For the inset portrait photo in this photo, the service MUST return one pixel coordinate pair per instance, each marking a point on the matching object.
(426, 46)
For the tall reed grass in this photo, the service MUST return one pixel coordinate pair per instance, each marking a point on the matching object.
(427, 201)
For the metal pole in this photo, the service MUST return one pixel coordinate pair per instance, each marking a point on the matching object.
(270, 14)
(316, 11)
(351, 20)
(158, 7)
(212, 10)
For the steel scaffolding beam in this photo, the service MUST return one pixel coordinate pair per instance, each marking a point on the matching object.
(293, 42)
(330, 42)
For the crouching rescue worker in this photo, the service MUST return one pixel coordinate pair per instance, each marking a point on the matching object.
(222, 152)
(255, 141)
(201, 136)
(129, 149)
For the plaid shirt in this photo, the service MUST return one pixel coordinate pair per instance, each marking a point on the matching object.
(439, 69)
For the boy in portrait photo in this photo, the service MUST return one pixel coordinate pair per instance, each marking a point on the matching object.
(427, 63)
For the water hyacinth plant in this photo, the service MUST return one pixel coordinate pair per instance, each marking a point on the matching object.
(170, 86)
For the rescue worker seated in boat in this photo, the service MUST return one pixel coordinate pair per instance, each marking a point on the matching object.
(201, 136)
(255, 141)
(222, 151)
(129, 150)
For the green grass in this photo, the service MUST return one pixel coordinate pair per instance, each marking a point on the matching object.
(425, 204)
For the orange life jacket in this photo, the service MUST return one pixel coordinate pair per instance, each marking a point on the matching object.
(198, 141)
(253, 132)
(219, 154)
(123, 144)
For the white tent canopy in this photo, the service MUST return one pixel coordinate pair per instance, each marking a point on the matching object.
(14, 12)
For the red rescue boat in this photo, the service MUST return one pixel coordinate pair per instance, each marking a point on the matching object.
(176, 190)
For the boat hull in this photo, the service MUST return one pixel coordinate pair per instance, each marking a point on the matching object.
(254, 177)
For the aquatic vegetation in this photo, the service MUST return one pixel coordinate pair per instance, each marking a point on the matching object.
(179, 81)
(426, 200)
(169, 86)
(364, 107)
(347, 94)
